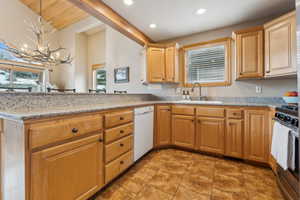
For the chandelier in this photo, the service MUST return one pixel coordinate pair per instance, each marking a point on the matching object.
(42, 51)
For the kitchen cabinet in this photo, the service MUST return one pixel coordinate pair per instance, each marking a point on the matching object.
(162, 63)
(234, 138)
(156, 64)
(256, 140)
(56, 169)
(118, 153)
(249, 53)
(171, 64)
(280, 46)
(210, 134)
(183, 131)
(163, 125)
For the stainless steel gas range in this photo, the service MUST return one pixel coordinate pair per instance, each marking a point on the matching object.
(288, 180)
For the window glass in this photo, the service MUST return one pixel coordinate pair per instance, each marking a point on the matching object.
(100, 79)
(206, 64)
(26, 79)
(4, 77)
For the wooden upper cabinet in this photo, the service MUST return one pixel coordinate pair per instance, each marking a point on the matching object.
(280, 46)
(163, 125)
(162, 65)
(234, 138)
(256, 140)
(183, 131)
(156, 64)
(249, 53)
(69, 171)
(170, 63)
(210, 135)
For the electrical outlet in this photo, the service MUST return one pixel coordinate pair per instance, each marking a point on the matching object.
(258, 89)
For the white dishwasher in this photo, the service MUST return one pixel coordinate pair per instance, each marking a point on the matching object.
(143, 131)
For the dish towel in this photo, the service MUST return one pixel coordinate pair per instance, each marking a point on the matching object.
(280, 143)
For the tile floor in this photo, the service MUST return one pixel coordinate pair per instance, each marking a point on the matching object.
(179, 175)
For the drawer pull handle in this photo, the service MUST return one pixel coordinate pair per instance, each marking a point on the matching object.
(74, 130)
(121, 118)
(121, 145)
(121, 131)
(122, 162)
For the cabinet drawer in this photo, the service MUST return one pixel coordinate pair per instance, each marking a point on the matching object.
(210, 112)
(118, 132)
(183, 110)
(59, 130)
(118, 118)
(114, 150)
(116, 167)
(235, 113)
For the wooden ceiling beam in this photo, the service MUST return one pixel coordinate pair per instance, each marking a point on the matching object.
(103, 12)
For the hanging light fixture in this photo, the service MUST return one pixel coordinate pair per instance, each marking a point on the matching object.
(42, 52)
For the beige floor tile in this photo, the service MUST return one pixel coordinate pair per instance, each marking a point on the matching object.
(186, 194)
(165, 182)
(179, 175)
(151, 193)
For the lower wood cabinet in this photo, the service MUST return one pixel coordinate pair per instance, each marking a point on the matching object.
(163, 125)
(210, 134)
(256, 141)
(69, 171)
(113, 169)
(234, 138)
(183, 131)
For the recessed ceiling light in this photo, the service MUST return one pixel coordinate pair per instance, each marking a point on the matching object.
(201, 11)
(128, 2)
(152, 25)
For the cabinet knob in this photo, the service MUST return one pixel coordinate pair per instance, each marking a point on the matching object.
(121, 162)
(74, 130)
(121, 118)
(100, 140)
(121, 145)
(121, 131)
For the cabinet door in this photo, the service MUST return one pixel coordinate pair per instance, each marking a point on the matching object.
(234, 138)
(170, 64)
(249, 50)
(210, 134)
(156, 64)
(256, 140)
(163, 125)
(280, 44)
(183, 131)
(72, 171)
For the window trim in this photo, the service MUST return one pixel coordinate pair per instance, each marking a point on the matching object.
(228, 61)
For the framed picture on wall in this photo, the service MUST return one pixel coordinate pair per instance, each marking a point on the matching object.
(121, 75)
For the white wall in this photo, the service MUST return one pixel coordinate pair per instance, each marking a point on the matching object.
(122, 52)
(96, 52)
(81, 69)
(67, 37)
(270, 88)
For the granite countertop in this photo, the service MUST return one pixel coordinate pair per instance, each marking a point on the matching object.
(37, 113)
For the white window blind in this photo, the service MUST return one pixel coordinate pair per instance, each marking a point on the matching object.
(206, 64)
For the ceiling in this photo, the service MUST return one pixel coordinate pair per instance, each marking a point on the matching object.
(176, 18)
(60, 13)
